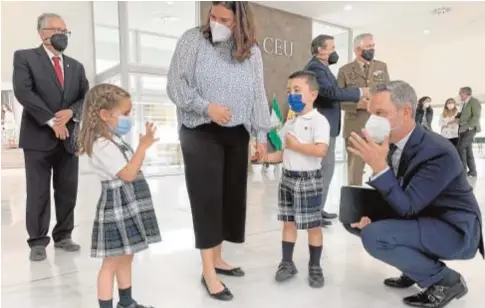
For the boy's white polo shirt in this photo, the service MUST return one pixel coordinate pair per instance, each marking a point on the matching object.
(308, 128)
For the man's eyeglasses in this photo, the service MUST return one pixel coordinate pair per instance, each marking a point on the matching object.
(58, 30)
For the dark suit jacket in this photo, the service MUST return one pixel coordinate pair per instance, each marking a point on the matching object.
(38, 90)
(431, 182)
(330, 94)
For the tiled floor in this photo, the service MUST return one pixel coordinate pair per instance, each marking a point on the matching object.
(168, 274)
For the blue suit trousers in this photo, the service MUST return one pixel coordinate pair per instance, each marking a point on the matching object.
(399, 244)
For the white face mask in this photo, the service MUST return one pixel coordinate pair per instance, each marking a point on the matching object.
(378, 128)
(220, 33)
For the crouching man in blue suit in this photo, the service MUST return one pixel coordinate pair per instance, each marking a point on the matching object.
(420, 175)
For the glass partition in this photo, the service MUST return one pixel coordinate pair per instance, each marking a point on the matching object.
(157, 26)
(106, 35)
(135, 41)
(152, 104)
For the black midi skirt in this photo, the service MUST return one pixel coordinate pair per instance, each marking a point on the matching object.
(216, 171)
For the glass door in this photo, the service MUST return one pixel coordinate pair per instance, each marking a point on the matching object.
(151, 104)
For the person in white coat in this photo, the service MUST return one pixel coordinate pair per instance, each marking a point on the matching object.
(448, 121)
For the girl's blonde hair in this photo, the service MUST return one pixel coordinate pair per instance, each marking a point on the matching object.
(102, 96)
(446, 111)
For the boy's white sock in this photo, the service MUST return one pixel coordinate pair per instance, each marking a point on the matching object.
(270, 174)
(257, 172)
(278, 170)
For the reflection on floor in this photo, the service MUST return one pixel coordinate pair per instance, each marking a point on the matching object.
(168, 274)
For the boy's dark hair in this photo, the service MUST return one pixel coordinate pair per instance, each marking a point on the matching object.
(310, 77)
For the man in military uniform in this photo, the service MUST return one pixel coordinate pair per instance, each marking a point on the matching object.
(364, 72)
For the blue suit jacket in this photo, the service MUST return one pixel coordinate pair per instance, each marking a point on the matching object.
(432, 183)
(330, 94)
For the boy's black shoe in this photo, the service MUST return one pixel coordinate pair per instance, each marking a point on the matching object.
(286, 270)
(315, 276)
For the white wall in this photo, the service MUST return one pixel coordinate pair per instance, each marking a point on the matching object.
(435, 67)
(19, 31)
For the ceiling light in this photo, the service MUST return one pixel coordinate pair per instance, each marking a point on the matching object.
(441, 10)
(348, 7)
(169, 2)
(426, 31)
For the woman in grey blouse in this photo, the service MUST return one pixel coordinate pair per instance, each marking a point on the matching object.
(216, 82)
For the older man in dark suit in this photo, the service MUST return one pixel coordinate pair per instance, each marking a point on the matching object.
(51, 87)
(419, 175)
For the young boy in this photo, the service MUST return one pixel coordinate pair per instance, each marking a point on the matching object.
(305, 142)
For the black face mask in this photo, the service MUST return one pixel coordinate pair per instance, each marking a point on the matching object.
(333, 58)
(368, 54)
(59, 41)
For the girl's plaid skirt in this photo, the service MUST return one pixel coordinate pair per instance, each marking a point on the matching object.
(125, 221)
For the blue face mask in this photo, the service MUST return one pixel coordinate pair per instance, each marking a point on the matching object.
(295, 102)
(124, 125)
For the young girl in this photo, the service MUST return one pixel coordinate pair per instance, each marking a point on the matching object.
(125, 221)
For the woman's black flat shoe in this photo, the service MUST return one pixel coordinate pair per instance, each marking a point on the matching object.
(224, 295)
(235, 272)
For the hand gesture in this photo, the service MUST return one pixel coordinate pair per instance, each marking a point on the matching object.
(375, 155)
(291, 142)
(365, 92)
(63, 116)
(61, 131)
(148, 139)
(219, 114)
(261, 151)
(363, 103)
(364, 222)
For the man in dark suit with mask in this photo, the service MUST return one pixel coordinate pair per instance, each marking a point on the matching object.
(419, 175)
(51, 87)
(328, 102)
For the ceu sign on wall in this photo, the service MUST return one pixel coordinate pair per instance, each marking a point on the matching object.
(276, 46)
(285, 41)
